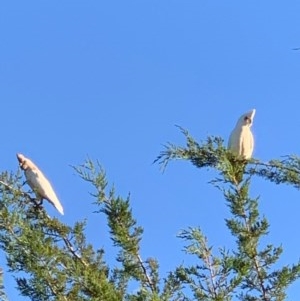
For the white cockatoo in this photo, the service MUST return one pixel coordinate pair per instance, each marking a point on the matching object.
(241, 141)
(38, 182)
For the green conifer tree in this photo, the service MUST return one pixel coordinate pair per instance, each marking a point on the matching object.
(53, 261)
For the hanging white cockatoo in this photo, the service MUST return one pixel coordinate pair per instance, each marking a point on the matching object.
(39, 183)
(241, 140)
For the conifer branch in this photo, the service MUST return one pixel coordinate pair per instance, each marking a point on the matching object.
(150, 283)
(70, 247)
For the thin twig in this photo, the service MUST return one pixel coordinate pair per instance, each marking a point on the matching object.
(7, 185)
(257, 163)
(71, 249)
(146, 274)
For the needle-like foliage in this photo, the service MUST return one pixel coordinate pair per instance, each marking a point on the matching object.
(50, 260)
(250, 272)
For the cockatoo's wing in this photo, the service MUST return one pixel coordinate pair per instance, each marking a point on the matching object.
(234, 141)
(42, 187)
(39, 183)
(247, 143)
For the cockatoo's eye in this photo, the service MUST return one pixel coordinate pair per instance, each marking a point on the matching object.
(247, 119)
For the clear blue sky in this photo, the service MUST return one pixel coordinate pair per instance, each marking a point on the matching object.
(110, 79)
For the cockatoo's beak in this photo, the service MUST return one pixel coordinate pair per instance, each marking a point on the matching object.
(252, 113)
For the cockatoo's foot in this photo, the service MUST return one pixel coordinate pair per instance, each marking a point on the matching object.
(38, 205)
(38, 202)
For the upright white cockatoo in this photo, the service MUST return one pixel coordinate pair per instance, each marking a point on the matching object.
(241, 140)
(39, 183)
